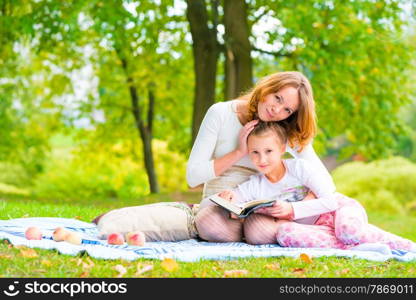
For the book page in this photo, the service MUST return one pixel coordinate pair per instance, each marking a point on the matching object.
(256, 202)
(226, 204)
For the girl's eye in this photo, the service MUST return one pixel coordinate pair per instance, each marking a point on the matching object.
(269, 151)
(278, 99)
(255, 152)
(288, 111)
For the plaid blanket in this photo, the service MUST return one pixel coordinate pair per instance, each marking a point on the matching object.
(188, 250)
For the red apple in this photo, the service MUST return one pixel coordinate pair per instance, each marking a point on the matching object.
(136, 238)
(115, 239)
(33, 233)
(73, 238)
(60, 234)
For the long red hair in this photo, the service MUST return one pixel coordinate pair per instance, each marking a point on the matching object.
(301, 125)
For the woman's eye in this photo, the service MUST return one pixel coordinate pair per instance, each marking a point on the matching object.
(278, 99)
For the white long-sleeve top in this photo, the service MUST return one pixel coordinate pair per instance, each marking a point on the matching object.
(218, 135)
(298, 179)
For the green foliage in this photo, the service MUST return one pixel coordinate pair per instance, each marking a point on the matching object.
(114, 171)
(383, 186)
(14, 174)
(359, 61)
(356, 53)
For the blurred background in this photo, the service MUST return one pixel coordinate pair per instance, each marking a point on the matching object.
(102, 99)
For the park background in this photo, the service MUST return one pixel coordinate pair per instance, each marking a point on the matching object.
(100, 101)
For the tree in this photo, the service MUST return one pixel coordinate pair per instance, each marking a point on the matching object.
(206, 52)
(238, 61)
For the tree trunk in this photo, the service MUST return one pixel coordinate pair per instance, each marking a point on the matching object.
(144, 131)
(205, 51)
(146, 136)
(238, 63)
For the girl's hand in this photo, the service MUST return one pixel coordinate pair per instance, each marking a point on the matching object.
(282, 210)
(227, 195)
(309, 196)
(242, 138)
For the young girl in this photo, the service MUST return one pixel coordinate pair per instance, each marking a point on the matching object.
(330, 221)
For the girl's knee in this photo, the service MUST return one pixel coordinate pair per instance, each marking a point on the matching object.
(284, 232)
(213, 224)
(349, 234)
(260, 229)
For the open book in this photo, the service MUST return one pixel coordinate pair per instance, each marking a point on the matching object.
(241, 211)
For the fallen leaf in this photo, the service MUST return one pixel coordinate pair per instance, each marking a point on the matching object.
(306, 258)
(169, 264)
(235, 273)
(143, 269)
(121, 270)
(299, 271)
(84, 274)
(345, 271)
(88, 264)
(202, 275)
(28, 253)
(275, 266)
(46, 262)
(5, 256)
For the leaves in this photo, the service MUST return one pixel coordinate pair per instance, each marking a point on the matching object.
(143, 269)
(169, 264)
(275, 266)
(235, 273)
(121, 270)
(28, 252)
(305, 258)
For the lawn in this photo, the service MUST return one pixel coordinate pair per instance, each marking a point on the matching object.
(25, 262)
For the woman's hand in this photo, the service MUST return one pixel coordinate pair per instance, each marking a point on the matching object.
(282, 210)
(242, 138)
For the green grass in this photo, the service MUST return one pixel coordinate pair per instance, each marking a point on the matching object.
(17, 261)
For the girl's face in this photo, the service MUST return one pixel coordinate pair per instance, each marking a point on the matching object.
(265, 152)
(280, 105)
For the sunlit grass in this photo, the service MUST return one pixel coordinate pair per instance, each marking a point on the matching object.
(14, 262)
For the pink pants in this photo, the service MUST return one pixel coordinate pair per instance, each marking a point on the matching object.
(344, 228)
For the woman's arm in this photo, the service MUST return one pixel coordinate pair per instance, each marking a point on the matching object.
(223, 163)
(309, 154)
(201, 166)
(319, 184)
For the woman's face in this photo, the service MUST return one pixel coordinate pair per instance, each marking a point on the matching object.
(280, 105)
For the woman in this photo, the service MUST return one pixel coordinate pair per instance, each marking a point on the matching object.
(219, 155)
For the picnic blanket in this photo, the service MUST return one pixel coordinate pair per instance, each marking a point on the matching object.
(188, 250)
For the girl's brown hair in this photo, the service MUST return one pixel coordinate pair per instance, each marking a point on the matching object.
(301, 125)
(264, 127)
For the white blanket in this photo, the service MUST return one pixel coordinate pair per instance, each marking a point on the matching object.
(188, 250)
